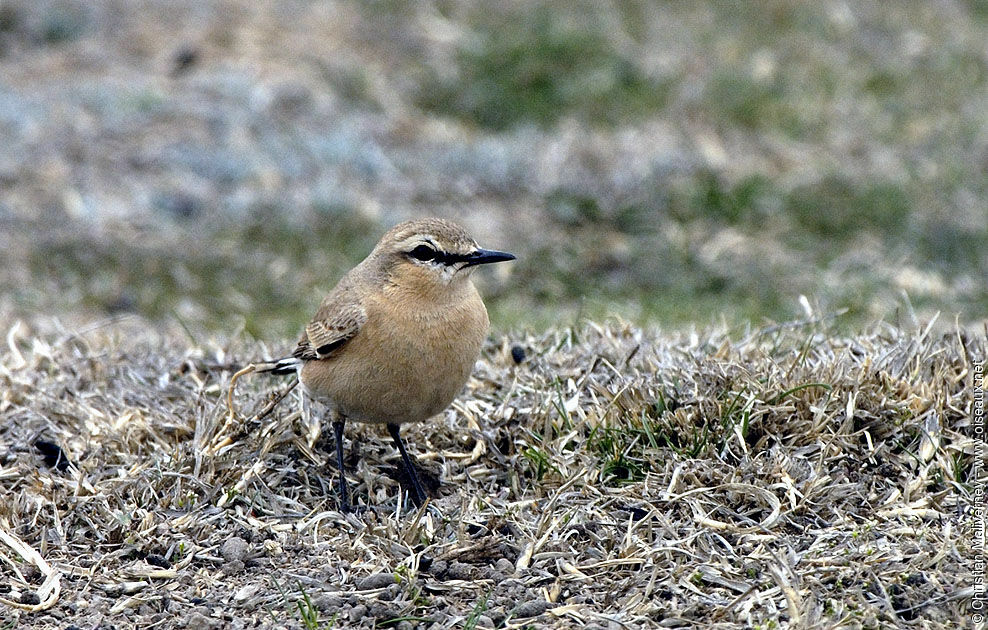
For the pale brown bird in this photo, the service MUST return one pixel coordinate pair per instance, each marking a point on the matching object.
(397, 338)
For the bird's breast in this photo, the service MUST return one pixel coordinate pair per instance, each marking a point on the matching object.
(408, 361)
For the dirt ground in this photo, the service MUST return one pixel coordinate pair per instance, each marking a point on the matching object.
(615, 478)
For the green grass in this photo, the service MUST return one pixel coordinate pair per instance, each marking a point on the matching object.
(266, 272)
(62, 24)
(840, 208)
(641, 251)
(470, 623)
(738, 99)
(303, 608)
(536, 65)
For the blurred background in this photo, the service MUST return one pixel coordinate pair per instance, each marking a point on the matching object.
(221, 163)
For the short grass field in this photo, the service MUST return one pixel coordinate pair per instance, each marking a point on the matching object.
(785, 477)
(732, 379)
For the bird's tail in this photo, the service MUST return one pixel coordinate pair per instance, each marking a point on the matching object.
(288, 365)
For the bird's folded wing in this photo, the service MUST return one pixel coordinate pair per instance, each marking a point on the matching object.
(333, 326)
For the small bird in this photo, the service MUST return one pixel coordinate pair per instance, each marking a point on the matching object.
(396, 339)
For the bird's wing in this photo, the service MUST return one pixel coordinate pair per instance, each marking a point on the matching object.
(336, 322)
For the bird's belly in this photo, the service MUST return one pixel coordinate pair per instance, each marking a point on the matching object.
(381, 376)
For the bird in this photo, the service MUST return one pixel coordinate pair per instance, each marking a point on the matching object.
(397, 338)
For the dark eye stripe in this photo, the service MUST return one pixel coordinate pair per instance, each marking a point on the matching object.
(426, 253)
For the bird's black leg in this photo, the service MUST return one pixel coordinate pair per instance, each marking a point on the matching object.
(419, 497)
(344, 493)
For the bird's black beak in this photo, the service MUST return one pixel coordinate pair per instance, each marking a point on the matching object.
(486, 256)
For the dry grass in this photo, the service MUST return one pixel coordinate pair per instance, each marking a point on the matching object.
(617, 478)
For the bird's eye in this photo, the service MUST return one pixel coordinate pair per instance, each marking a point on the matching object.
(422, 252)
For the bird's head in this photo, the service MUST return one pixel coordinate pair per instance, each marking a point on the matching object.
(431, 253)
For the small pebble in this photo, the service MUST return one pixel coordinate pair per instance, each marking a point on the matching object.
(382, 611)
(234, 549)
(199, 620)
(377, 580)
(232, 567)
(488, 573)
(246, 592)
(327, 602)
(390, 593)
(459, 571)
(532, 608)
(358, 612)
(30, 598)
